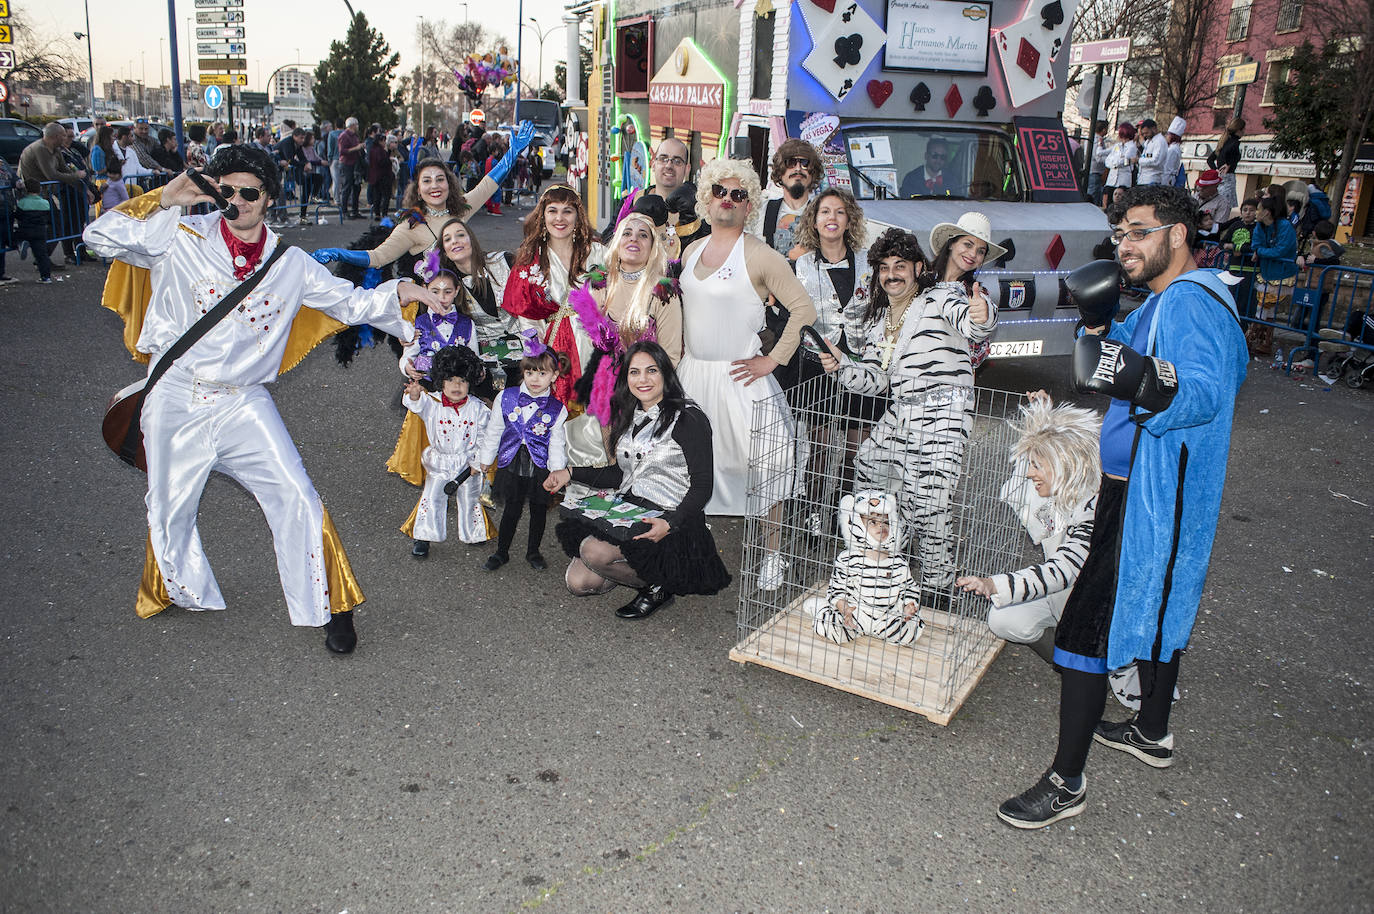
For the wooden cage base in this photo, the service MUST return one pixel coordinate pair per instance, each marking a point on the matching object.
(869, 667)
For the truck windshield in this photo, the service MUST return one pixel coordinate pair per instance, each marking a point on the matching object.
(915, 162)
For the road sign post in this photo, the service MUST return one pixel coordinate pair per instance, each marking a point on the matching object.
(1097, 54)
(223, 79)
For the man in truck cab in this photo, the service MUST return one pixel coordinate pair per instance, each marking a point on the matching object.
(933, 178)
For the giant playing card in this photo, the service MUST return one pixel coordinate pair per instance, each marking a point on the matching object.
(845, 44)
(1029, 48)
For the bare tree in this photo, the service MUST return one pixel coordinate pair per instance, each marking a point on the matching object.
(38, 58)
(1143, 20)
(1187, 74)
(1350, 23)
(451, 45)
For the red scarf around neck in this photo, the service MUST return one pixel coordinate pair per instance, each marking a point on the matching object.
(251, 252)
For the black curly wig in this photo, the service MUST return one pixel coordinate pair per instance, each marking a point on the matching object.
(456, 362)
(250, 160)
(895, 243)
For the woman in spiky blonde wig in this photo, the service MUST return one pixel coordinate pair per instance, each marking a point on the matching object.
(1054, 494)
(1063, 442)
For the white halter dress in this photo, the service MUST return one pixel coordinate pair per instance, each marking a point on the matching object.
(721, 318)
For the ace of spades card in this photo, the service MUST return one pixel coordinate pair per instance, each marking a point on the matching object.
(1028, 52)
(845, 43)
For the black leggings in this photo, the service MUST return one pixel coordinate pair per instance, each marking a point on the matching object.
(519, 490)
(1082, 697)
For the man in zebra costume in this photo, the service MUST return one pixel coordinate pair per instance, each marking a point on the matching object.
(917, 347)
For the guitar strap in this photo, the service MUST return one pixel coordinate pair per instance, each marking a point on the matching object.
(133, 439)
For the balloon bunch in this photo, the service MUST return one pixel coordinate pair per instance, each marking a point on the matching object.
(483, 71)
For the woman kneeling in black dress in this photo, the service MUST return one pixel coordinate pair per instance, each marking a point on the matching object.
(662, 446)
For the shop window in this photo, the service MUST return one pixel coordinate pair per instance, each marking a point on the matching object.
(634, 53)
(763, 55)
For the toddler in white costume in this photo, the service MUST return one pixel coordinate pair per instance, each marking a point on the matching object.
(871, 590)
(454, 421)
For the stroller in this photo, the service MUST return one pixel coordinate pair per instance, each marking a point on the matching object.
(1353, 365)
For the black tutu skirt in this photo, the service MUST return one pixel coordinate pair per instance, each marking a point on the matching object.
(683, 562)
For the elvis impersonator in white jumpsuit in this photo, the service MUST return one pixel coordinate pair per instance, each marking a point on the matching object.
(211, 410)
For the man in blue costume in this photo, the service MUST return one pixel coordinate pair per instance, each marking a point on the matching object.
(1173, 368)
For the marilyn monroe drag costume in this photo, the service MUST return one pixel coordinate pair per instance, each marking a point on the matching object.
(722, 315)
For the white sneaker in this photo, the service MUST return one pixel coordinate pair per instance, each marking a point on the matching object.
(771, 571)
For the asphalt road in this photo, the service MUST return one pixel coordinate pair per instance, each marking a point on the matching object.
(495, 745)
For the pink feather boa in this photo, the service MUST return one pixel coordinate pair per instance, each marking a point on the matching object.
(605, 336)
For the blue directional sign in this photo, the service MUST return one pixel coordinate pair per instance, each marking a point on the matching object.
(214, 97)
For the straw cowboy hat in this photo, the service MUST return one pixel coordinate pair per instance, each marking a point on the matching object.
(975, 224)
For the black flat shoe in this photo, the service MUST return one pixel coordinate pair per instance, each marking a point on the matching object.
(649, 601)
(536, 561)
(339, 635)
(495, 562)
(420, 549)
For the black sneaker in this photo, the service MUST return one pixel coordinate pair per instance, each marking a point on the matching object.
(1045, 803)
(1126, 736)
(420, 549)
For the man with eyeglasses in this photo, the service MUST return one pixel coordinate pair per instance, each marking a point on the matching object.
(934, 179)
(1172, 368)
(796, 168)
(211, 410)
(671, 167)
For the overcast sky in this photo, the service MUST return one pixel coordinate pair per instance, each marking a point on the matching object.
(125, 33)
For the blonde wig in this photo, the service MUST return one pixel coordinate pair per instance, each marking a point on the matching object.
(1064, 440)
(717, 170)
(636, 316)
(808, 235)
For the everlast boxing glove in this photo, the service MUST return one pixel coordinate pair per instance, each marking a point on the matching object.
(1108, 367)
(1095, 288)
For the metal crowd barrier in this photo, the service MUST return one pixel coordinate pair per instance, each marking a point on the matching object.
(1321, 304)
(302, 190)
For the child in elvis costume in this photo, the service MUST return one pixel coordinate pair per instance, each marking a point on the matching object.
(447, 325)
(526, 441)
(1054, 494)
(454, 422)
(871, 590)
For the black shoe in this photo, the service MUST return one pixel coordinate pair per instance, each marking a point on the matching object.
(536, 561)
(1045, 803)
(649, 601)
(420, 549)
(339, 635)
(496, 561)
(1126, 736)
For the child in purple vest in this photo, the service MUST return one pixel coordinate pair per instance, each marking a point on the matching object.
(525, 439)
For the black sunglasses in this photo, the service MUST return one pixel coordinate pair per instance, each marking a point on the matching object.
(799, 162)
(247, 194)
(736, 195)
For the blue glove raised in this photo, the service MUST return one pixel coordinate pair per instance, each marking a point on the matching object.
(352, 258)
(518, 144)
